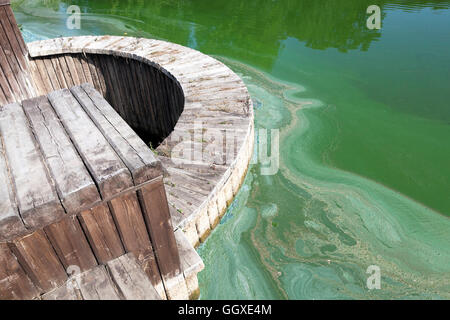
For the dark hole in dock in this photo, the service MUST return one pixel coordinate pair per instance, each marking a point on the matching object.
(145, 97)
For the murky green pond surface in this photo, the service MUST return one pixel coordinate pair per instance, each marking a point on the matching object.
(364, 120)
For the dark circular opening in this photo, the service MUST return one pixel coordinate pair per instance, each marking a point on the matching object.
(147, 98)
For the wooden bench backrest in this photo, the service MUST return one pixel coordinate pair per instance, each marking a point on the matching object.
(15, 79)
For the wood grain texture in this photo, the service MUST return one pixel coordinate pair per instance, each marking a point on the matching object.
(157, 217)
(136, 155)
(96, 284)
(191, 263)
(14, 283)
(131, 279)
(12, 40)
(70, 244)
(11, 224)
(102, 233)
(39, 260)
(131, 225)
(73, 182)
(108, 170)
(37, 200)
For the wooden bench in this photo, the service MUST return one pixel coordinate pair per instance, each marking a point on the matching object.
(82, 189)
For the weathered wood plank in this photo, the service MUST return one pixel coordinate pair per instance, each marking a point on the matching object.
(37, 200)
(133, 232)
(36, 77)
(95, 284)
(14, 283)
(67, 291)
(9, 85)
(20, 61)
(191, 263)
(70, 243)
(125, 84)
(3, 98)
(96, 70)
(131, 225)
(131, 279)
(74, 72)
(101, 231)
(11, 225)
(52, 74)
(85, 67)
(78, 68)
(139, 72)
(136, 155)
(150, 267)
(39, 260)
(65, 69)
(109, 172)
(18, 34)
(42, 71)
(92, 69)
(73, 182)
(157, 217)
(59, 72)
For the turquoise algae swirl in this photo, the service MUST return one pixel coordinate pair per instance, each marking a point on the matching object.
(311, 231)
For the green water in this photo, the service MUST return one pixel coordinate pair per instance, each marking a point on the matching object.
(364, 120)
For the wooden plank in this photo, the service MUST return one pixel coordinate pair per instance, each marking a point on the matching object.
(150, 267)
(85, 67)
(138, 71)
(70, 244)
(65, 70)
(93, 72)
(14, 283)
(18, 34)
(110, 81)
(131, 279)
(96, 284)
(39, 260)
(78, 67)
(9, 85)
(59, 72)
(101, 232)
(136, 155)
(20, 62)
(42, 70)
(73, 182)
(158, 97)
(131, 104)
(52, 74)
(191, 263)
(96, 70)
(11, 225)
(3, 97)
(133, 232)
(131, 225)
(37, 200)
(74, 72)
(37, 79)
(157, 217)
(67, 291)
(109, 172)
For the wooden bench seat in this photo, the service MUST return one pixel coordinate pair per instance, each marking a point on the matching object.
(81, 189)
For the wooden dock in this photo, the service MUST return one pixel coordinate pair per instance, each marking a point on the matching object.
(85, 190)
